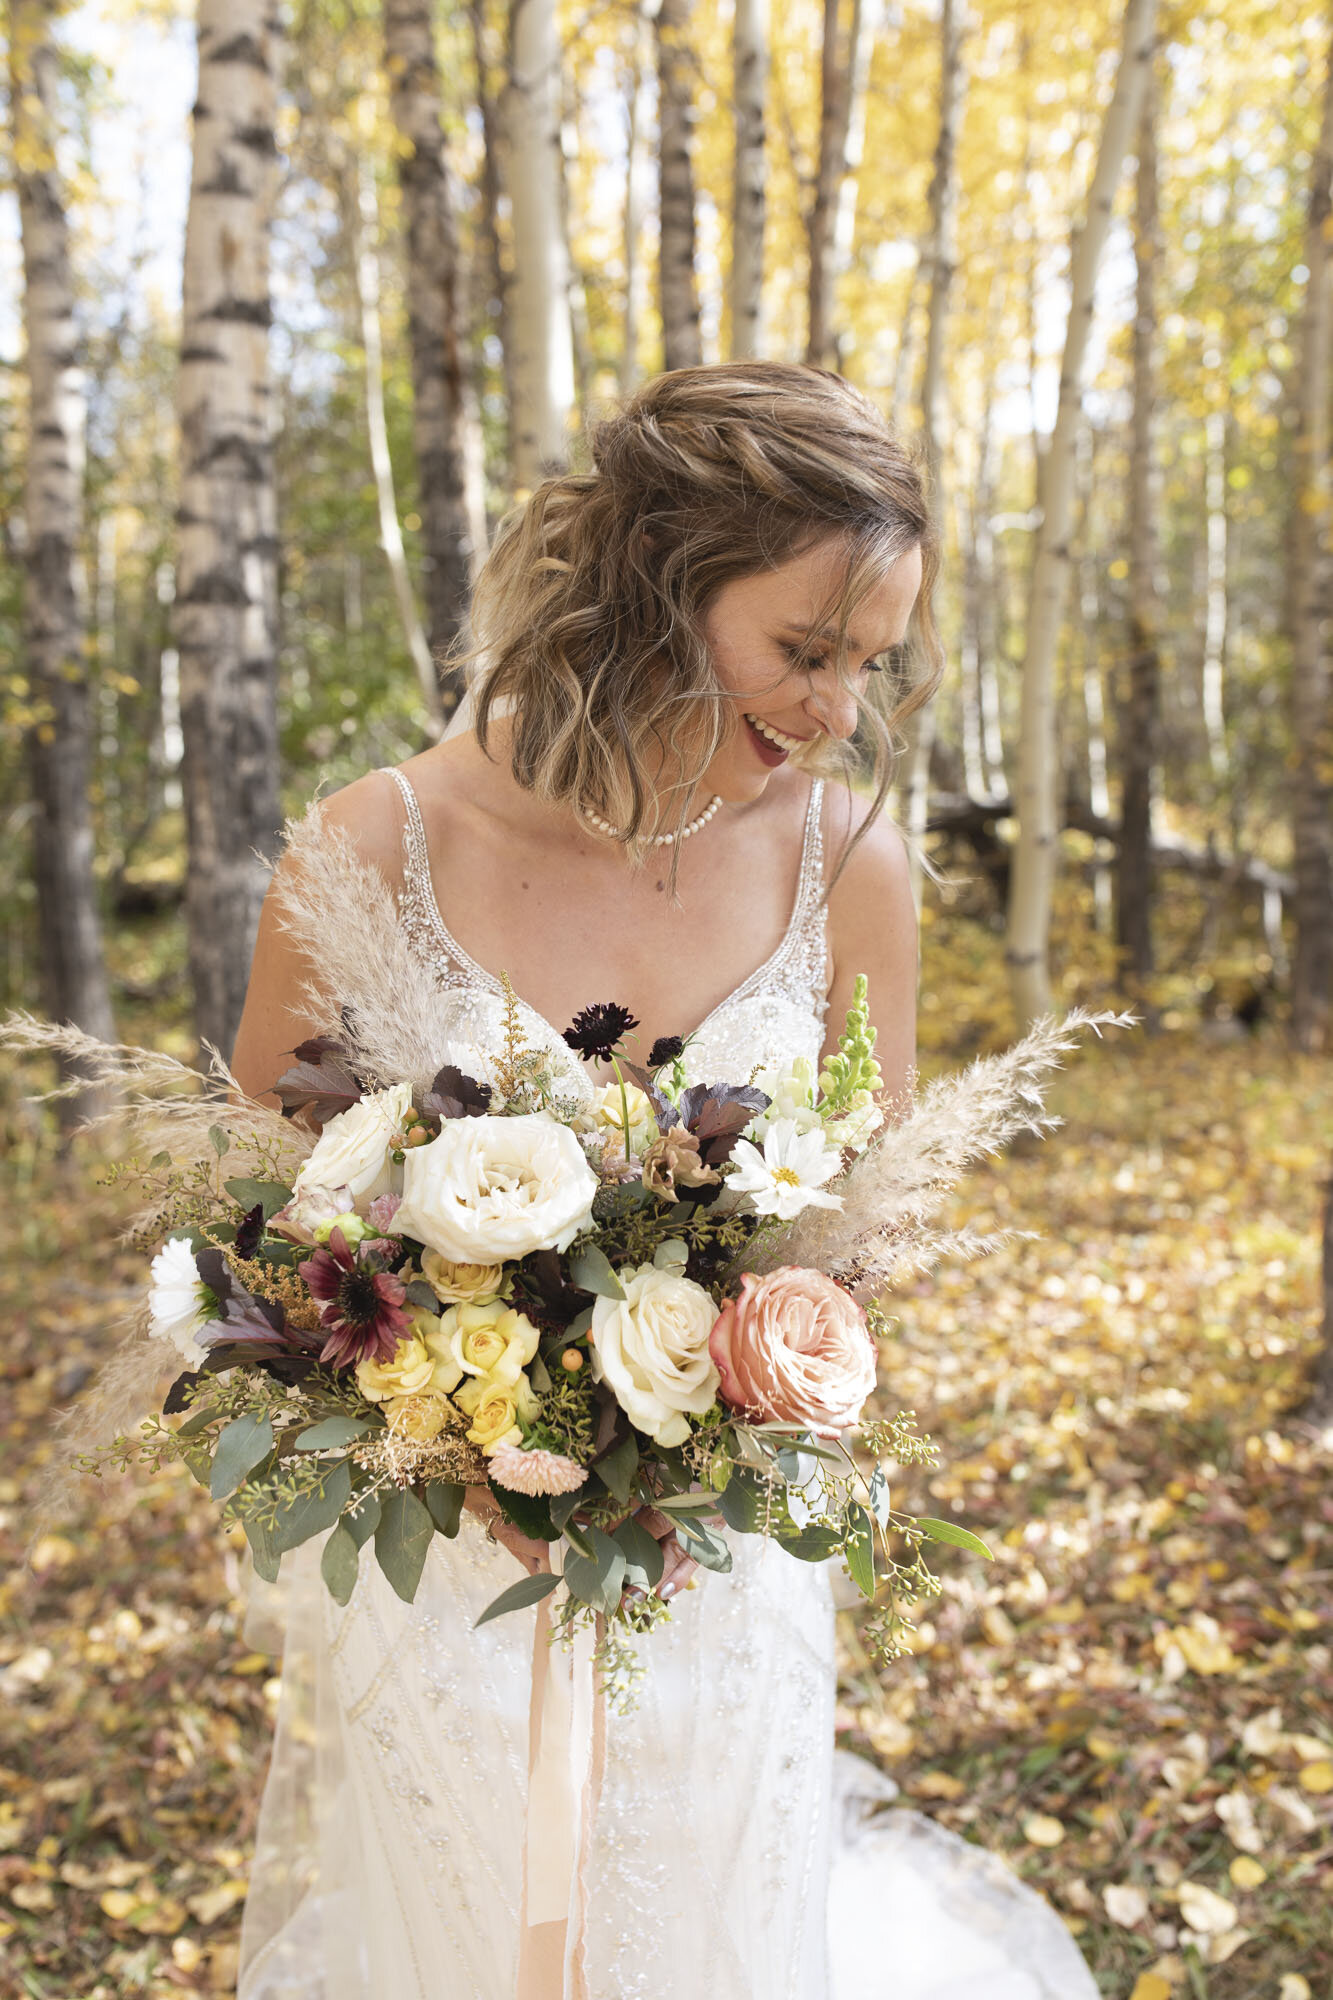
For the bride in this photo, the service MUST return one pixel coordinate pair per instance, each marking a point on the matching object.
(648, 805)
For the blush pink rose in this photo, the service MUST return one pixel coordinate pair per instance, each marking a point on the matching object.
(794, 1348)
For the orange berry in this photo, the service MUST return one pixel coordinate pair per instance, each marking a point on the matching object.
(571, 1359)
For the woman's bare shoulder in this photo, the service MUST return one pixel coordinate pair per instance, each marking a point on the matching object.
(370, 812)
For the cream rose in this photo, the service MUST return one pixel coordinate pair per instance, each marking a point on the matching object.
(410, 1371)
(462, 1284)
(651, 1347)
(351, 1155)
(491, 1189)
(795, 1348)
(497, 1410)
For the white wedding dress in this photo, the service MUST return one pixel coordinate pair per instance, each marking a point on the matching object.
(731, 1855)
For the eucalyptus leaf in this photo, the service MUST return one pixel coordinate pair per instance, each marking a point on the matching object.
(269, 1196)
(879, 1496)
(264, 1556)
(338, 1564)
(617, 1469)
(419, 1293)
(590, 1269)
(813, 1543)
(362, 1517)
(219, 1140)
(445, 1501)
(565, 1504)
(678, 1505)
(708, 1549)
(860, 1549)
(540, 1376)
(402, 1538)
(315, 1509)
(958, 1538)
(332, 1432)
(529, 1512)
(742, 1502)
(242, 1445)
(643, 1552)
(578, 1326)
(597, 1579)
(528, 1590)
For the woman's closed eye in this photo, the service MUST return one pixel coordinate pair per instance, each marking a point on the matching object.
(807, 662)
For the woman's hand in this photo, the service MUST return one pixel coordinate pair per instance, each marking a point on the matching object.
(534, 1556)
(678, 1568)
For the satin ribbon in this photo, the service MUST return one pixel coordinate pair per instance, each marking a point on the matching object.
(566, 1763)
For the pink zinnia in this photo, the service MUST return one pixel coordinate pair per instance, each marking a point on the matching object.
(383, 1209)
(534, 1472)
(362, 1310)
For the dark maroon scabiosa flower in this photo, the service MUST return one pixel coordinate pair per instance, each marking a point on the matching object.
(596, 1031)
(362, 1306)
(664, 1050)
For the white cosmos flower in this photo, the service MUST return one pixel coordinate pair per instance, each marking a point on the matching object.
(179, 1302)
(789, 1174)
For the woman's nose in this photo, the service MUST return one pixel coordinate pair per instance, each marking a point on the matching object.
(835, 709)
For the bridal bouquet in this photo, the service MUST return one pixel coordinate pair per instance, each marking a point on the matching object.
(461, 1265)
(556, 1296)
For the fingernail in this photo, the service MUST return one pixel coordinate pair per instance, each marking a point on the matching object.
(668, 1589)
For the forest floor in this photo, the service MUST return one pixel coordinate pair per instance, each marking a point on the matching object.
(1132, 1702)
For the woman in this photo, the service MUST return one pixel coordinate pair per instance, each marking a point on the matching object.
(671, 650)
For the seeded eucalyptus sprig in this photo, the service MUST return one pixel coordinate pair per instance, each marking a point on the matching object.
(854, 1068)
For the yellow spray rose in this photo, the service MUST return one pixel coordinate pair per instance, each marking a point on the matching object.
(606, 1116)
(410, 1371)
(496, 1410)
(491, 1341)
(463, 1284)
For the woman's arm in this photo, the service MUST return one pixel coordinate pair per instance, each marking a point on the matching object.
(873, 929)
(272, 1021)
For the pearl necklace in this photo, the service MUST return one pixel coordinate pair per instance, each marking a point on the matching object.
(660, 839)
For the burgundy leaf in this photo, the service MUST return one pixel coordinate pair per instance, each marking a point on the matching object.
(717, 1114)
(320, 1083)
(251, 1230)
(454, 1095)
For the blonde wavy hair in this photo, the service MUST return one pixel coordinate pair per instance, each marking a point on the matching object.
(588, 616)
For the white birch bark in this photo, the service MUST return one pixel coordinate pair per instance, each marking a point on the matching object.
(1037, 800)
(1213, 675)
(835, 108)
(59, 743)
(366, 264)
(636, 124)
(225, 611)
(542, 362)
(750, 74)
(446, 424)
(677, 282)
(1311, 683)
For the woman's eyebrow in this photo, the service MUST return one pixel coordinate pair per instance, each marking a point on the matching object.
(830, 632)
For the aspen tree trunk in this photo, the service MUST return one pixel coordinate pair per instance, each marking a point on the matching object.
(54, 611)
(1216, 608)
(941, 252)
(366, 263)
(676, 277)
(539, 322)
(750, 71)
(1139, 719)
(1037, 788)
(1311, 684)
(636, 123)
(445, 419)
(226, 613)
(489, 259)
(835, 102)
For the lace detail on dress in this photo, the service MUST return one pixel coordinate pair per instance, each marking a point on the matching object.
(777, 1012)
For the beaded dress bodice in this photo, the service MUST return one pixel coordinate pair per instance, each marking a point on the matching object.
(775, 1014)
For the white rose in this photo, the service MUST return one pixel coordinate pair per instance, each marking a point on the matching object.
(490, 1189)
(351, 1154)
(179, 1303)
(651, 1347)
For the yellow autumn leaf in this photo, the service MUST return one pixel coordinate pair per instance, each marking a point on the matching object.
(1294, 1987)
(1151, 1986)
(1205, 1647)
(210, 1904)
(1317, 1777)
(1103, 1747)
(117, 1903)
(1246, 1872)
(162, 1919)
(1042, 1830)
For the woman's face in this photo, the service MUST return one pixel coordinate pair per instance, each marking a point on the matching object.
(783, 687)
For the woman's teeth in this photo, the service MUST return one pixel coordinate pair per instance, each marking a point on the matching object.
(774, 736)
